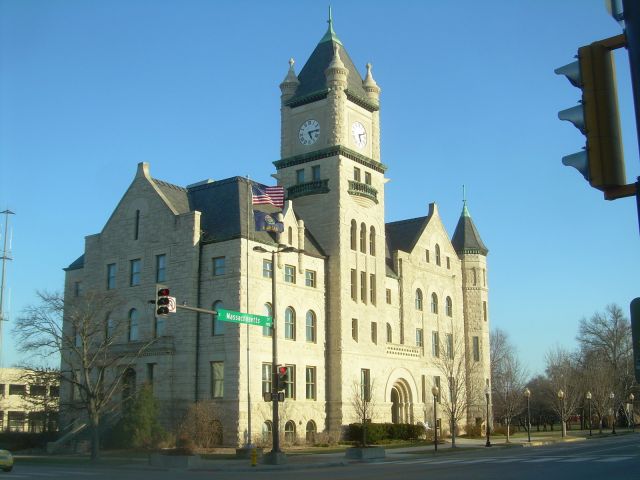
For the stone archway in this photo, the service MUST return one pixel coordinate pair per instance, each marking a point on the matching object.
(401, 402)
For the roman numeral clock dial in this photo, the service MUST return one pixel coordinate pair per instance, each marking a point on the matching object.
(309, 132)
(359, 134)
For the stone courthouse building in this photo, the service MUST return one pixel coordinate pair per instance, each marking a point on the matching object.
(391, 306)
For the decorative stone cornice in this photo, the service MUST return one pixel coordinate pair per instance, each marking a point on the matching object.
(330, 152)
(309, 188)
(363, 190)
(312, 97)
(362, 102)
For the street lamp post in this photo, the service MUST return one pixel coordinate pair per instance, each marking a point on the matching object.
(589, 398)
(435, 391)
(612, 397)
(275, 456)
(632, 421)
(527, 393)
(562, 424)
(487, 391)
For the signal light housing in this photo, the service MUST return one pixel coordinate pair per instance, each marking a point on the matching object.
(162, 300)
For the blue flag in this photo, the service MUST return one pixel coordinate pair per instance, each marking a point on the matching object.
(266, 222)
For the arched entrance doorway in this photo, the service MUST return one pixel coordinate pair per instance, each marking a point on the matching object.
(401, 402)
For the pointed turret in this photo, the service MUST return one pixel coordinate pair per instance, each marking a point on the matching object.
(371, 87)
(290, 83)
(336, 72)
(466, 238)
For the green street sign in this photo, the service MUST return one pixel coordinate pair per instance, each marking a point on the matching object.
(248, 318)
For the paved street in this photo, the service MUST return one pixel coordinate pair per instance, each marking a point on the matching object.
(612, 458)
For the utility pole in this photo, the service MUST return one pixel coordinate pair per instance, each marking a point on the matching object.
(6, 256)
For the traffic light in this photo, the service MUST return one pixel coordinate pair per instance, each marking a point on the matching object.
(602, 160)
(283, 376)
(162, 300)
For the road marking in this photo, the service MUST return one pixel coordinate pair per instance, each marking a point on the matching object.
(615, 459)
(542, 459)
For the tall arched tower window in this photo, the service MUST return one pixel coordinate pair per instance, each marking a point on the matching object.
(449, 307)
(437, 254)
(389, 333)
(363, 238)
(419, 299)
(290, 235)
(290, 323)
(268, 311)
(372, 241)
(217, 327)
(133, 324)
(434, 303)
(354, 235)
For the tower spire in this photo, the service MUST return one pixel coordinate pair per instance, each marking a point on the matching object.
(465, 210)
(331, 34)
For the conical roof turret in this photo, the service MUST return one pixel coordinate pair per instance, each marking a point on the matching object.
(466, 238)
(290, 83)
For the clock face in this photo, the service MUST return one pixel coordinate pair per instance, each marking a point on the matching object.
(359, 134)
(309, 132)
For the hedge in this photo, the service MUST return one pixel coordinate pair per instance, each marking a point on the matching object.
(377, 432)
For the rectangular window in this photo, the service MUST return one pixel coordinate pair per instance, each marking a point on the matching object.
(15, 389)
(363, 287)
(37, 390)
(448, 263)
(300, 176)
(266, 378)
(426, 255)
(354, 329)
(367, 178)
(315, 173)
(150, 371)
(2, 387)
(290, 382)
(267, 269)
(219, 267)
(217, 379)
(419, 337)
(161, 268)
(424, 389)
(435, 344)
(476, 349)
(310, 278)
(436, 382)
(310, 374)
(17, 421)
(54, 391)
(484, 311)
(388, 294)
(289, 274)
(374, 332)
(134, 272)
(449, 345)
(356, 174)
(372, 289)
(354, 285)
(365, 385)
(77, 289)
(111, 276)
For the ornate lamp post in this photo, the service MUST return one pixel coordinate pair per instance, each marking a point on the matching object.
(435, 391)
(561, 397)
(275, 456)
(612, 397)
(527, 394)
(632, 421)
(487, 391)
(589, 398)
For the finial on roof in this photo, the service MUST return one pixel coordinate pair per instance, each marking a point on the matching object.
(331, 34)
(465, 211)
(290, 82)
(330, 21)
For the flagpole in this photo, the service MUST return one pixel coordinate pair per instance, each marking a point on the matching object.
(249, 214)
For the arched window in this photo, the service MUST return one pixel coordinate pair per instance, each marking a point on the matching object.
(217, 327)
(266, 431)
(354, 235)
(418, 299)
(475, 276)
(310, 327)
(363, 238)
(437, 254)
(134, 318)
(389, 333)
(290, 432)
(311, 431)
(128, 388)
(372, 241)
(268, 311)
(290, 323)
(109, 326)
(434, 303)
(449, 307)
(290, 235)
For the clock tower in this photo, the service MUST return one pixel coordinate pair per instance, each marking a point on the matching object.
(330, 168)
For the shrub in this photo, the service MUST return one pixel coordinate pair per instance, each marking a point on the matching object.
(201, 425)
(474, 431)
(377, 432)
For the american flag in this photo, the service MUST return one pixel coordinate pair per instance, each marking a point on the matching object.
(268, 195)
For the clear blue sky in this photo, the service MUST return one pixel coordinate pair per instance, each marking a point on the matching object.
(88, 89)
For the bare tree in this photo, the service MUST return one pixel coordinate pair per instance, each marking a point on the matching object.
(597, 378)
(363, 403)
(462, 384)
(42, 399)
(508, 379)
(565, 392)
(93, 364)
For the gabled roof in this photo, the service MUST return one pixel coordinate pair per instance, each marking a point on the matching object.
(312, 78)
(176, 195)
(403, 234)
(466, 238)
(76, 264)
